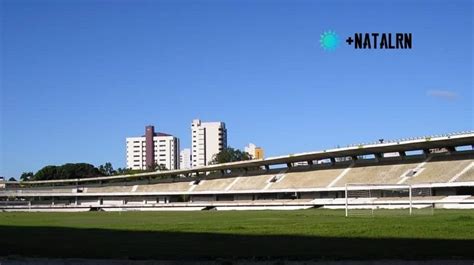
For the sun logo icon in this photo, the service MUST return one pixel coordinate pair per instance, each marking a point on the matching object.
(329, 40)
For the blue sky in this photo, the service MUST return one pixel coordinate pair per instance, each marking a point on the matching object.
(78, 77)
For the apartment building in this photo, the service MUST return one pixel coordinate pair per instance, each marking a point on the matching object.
(185, 159)
(207, 139)
(153, 148)
(255, 151)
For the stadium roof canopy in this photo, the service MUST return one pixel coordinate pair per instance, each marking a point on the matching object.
(424, 143)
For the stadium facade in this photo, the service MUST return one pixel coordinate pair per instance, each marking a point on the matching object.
(438, 170)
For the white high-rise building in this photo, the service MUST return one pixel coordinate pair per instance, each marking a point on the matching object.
(208, 139)
(153, 149)
(185, 159)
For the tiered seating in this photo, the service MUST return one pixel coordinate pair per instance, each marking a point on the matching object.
(466, 176)
(178, 186)
(378, 173)
(298, 179)
(219, 184)
(101, 189)
(52, 189)
(253, 182)
(442, 168)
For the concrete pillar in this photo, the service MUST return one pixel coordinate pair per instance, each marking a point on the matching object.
(333, 160)
(451, 149)
(267, 167)
(426, 152)
(310, 162)
(378, 156)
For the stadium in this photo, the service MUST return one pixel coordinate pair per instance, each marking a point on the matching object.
(411, 174)
(287, 132)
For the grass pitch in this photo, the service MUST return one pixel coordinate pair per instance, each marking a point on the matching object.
(304, 234)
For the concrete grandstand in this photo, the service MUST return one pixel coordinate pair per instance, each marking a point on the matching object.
(439, 168)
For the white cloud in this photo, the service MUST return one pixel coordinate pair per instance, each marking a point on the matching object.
(443, 94)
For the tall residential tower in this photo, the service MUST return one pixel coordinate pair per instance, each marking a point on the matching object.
(185, 159)
(208, 139)
(151, 149)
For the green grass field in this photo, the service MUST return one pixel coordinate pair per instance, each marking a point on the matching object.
(305, 234)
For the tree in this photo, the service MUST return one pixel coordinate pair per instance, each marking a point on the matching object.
(25, 176)
(230, 155)
(107, 169)
(78, 170)
(156, 167)
(67, 171)
(161, 167)
(121, 171)
(12, 179)
(46, 173)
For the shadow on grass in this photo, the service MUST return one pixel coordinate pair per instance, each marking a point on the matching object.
(101, 243)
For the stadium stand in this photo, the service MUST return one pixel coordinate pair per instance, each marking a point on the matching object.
(442, 168)
(467, 175)
(373, 172)
(176, 186)
(47, 190)
(217, 184)
(308, 177)
(252, 181)
(441, 172)
(105, 189)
